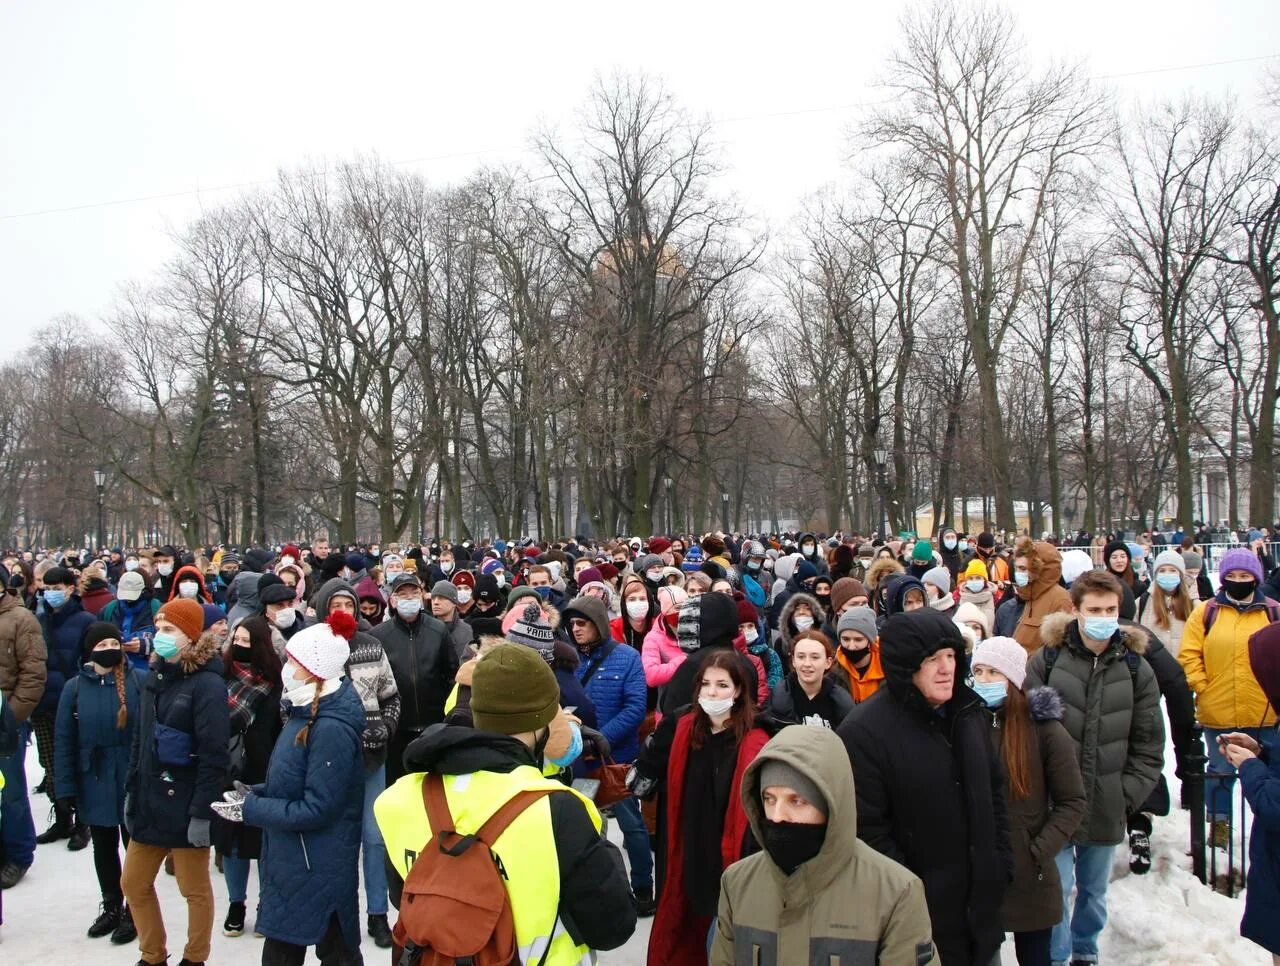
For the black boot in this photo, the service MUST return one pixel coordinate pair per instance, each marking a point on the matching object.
(126, 932)
(79, 837)
(644, 902)
(107, 921)
(233, 925)
(380, 931)
(60, 829)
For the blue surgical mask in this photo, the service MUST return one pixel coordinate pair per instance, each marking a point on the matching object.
(543, 592)
(1021, 578)
(1168, 582)
(1100, 628)
(949, 542)
(575, 748)
(166, 645)
(992, 692)
(55, 598)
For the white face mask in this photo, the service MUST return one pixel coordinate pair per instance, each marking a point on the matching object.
(653, 574)
(464, 595)
(284, 617)
(446, 566)
(286, 561)
(131, 565)
(188, 588)
(637, 608)
(751, 635)
(715, 707)
(976, 585)
(164, 569)
(501, 578)
(803, 622)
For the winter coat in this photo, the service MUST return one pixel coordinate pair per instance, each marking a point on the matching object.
(617, 685)
(424, 664)
(243, 597)
(930, 793)
(460, 637)
(22, 657)
(1112, 715)
(769, 661)
(310, 809)
(1227, 694)
(259, 742)
(63, 632)
(786, 629)
(878, 576)
(1042, 822)
(191, 697)
(90, 754)
(1044, 593)
(785, 569)
(1180, 710)
(133, 619)
(1171, 636)
(97, 597)
(757, 667)
(782, 703)
(782, 916)
(1260, 783)
(984, 600)
(861, 686)
(661, 655)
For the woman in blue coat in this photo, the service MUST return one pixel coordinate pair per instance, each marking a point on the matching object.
(1259, 768)
(97, 715)
(311, 806)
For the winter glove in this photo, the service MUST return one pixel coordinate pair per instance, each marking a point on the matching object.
(198, 833)
(595, 745)
(229, 811)
(235, 796)
(244, 790)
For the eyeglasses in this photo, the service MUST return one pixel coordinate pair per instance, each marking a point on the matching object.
(579, 622)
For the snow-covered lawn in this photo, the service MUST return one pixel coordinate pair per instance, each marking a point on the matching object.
(1165, 917)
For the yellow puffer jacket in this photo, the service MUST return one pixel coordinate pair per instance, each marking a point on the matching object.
(1217, 665)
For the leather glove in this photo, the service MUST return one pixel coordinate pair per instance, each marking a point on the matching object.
(228, 810)
(198, 833)
(595, 745)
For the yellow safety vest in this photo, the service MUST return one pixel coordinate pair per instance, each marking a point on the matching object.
(525, 853)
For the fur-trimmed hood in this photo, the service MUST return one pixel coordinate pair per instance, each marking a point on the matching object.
(1045, 564)
(196, 655)
(1054, 633)
(1045, 704)
(789, 608)
(880, 571)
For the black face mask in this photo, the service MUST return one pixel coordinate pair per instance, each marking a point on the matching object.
(791, 844)
(859, 657)
(108, 658)
(1240, 589)
(242, 653)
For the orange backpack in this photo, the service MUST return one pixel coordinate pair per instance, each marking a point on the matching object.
(454, 906)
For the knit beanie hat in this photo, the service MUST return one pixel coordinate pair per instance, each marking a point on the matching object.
(1111, 548)
(529, 626)
(1074, 563)
(659, 545)
(976, 568)
(1171, 558)
(445, 589)
(670, 598)
(1241, 559)
(487, 589)
(513, 690)
(98, 632)
(323, 649)
(1190, 561)
(843, 589)
(589, 575)
(1005, 655)
(786, 775)
(922, 552)
(212, 614)
(939, 577)
(968, 613)
(463, 578)
(185, 614)
(490, 565)
(860, 619)
(131, 586)
(747, 612)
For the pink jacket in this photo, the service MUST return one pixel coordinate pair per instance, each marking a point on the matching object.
(660, 655)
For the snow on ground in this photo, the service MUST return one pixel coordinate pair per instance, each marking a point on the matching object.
(1166, 917)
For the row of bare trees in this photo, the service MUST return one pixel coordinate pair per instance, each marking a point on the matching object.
(1016, 292)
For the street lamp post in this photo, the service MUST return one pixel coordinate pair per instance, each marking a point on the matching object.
(671, 507)
(100, 481)
(724, 505)
(881, 457)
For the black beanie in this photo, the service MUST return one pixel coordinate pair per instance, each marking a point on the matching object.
(718, 619)
(96, 633)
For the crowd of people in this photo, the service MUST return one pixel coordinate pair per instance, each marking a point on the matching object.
(950, 738)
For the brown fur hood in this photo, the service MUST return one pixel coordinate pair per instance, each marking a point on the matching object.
(789, 608)
(1053, 632)
(1044, 562)
(195, 656)
(881, 570)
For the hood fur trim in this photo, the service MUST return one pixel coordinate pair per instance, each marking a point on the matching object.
(880, 571)
(789, 608)
(1045, 704)
(1053, 633)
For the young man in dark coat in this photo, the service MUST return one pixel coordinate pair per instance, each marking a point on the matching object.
(930, 787)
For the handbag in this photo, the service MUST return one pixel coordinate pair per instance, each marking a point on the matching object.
(613, 783)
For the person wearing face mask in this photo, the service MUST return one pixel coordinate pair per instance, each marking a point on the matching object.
(800, 613)
(176, 771)
(1113, 715)
(661, 653)
(373, 602)
(798, 796)
(162, 567)
(309, 806)
(133, 613)
(444, 567)
(279, 605)
(639, 609)
(1038, 592)
(371, 669)
(751, 628)
(63, 621)
(702, 626)
(465, 582)
(445, 598)
(566, 883)
(755, 580)
(809, 695)
(489, 600)
(254, 692)
(697, 758)
(858, 667)
(821, 591)
(922, 559)
(188, 583)
(1215, 656)
(97, 715)
(949, 549)
(943, 817)
(228, 567)
(995, 565)
(1042, 785)
(811, 554)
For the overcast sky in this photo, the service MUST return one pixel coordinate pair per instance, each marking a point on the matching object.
(139, 113)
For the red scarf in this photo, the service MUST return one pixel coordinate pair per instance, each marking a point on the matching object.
(679, 939)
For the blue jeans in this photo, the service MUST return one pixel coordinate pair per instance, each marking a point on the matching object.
(374, 852)
(1217, 791)
(635, 838)
(236, 872)
(17, 827)
(1088, 867)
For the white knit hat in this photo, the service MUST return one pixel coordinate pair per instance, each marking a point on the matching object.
(1074, 563)
(1002, 654)
(1171, 558)
(324, 648)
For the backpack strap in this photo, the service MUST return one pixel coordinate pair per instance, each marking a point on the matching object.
(1133, 660)
(1210, 613)
(1050, 659)
(441, 819)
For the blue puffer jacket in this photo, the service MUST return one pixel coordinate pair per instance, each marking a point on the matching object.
(190, 697)
(310, 809)
(617, 687)
(133, 619)
(90, 754)
(63, 632)
(1260, 781)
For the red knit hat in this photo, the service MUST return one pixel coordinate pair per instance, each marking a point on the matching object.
(747, 612)
(464, 578)
(659, 545)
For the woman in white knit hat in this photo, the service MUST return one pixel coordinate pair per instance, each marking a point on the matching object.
(1167, 604)
(1043, 788)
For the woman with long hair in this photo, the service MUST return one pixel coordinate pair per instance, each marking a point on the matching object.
(702, 754)
(254, 691)
(1044, 791)
(1164, 608)
(638, 612)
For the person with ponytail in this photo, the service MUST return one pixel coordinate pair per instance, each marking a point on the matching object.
(97, 716)
(310, 806)
(254, 692)
(1043, 787)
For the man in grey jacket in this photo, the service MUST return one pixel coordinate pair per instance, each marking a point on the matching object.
(444, 607)
(1112, 712)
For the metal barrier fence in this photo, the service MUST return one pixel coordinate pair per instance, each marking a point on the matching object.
(1207, 858)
